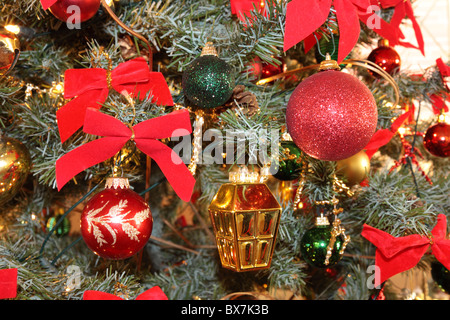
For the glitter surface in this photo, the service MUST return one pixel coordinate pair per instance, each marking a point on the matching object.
(208, 82)
(331, 115)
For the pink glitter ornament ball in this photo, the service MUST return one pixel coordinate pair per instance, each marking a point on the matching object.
(331, 115)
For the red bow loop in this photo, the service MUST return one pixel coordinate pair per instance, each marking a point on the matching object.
(90, 88)
(115, 136)
(398, 254)
(154, 293)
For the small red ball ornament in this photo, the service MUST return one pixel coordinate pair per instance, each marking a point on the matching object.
(262, 69)
(385, 57)
(331, 115)
(116, 223)
(67, 10)
(437, 140)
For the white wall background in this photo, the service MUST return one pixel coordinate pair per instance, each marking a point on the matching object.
(433, 17)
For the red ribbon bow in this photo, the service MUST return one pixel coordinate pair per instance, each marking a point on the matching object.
(397, 254)
(154, 293)
(8, 283)
(383, 136)
(90, 87)
(144, 134)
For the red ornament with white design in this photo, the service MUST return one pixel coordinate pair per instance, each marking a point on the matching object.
(116, 223)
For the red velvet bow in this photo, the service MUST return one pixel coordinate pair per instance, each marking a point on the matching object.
(397, 254)
(402, 9)
(383, 136)
(241, 7)
(8, 283)
(304, 17)
(47, 3)
(90, 87)
(144, 134)
(154, 293)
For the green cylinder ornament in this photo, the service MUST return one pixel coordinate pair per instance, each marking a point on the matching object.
(314, 243)
(291, 162)
(62, 229)
(208, 81)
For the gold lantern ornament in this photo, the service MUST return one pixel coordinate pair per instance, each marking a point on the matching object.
(245, 217)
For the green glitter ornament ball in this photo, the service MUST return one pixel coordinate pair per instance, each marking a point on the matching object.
(291, 162)
(208, 81)
(313, 246)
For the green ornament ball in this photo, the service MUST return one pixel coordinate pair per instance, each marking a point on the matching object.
(208, 81)
(314, 243)
(62, 229)
(441, 275)
(291, 162)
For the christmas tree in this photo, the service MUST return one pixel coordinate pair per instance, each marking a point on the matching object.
(220, 150)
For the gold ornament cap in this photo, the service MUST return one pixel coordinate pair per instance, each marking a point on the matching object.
(209, 50)
(322, 221)
(117, 183)
(329, 64)
(383, 43)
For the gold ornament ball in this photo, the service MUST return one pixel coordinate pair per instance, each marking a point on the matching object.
(354, 169)
(15, 164)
